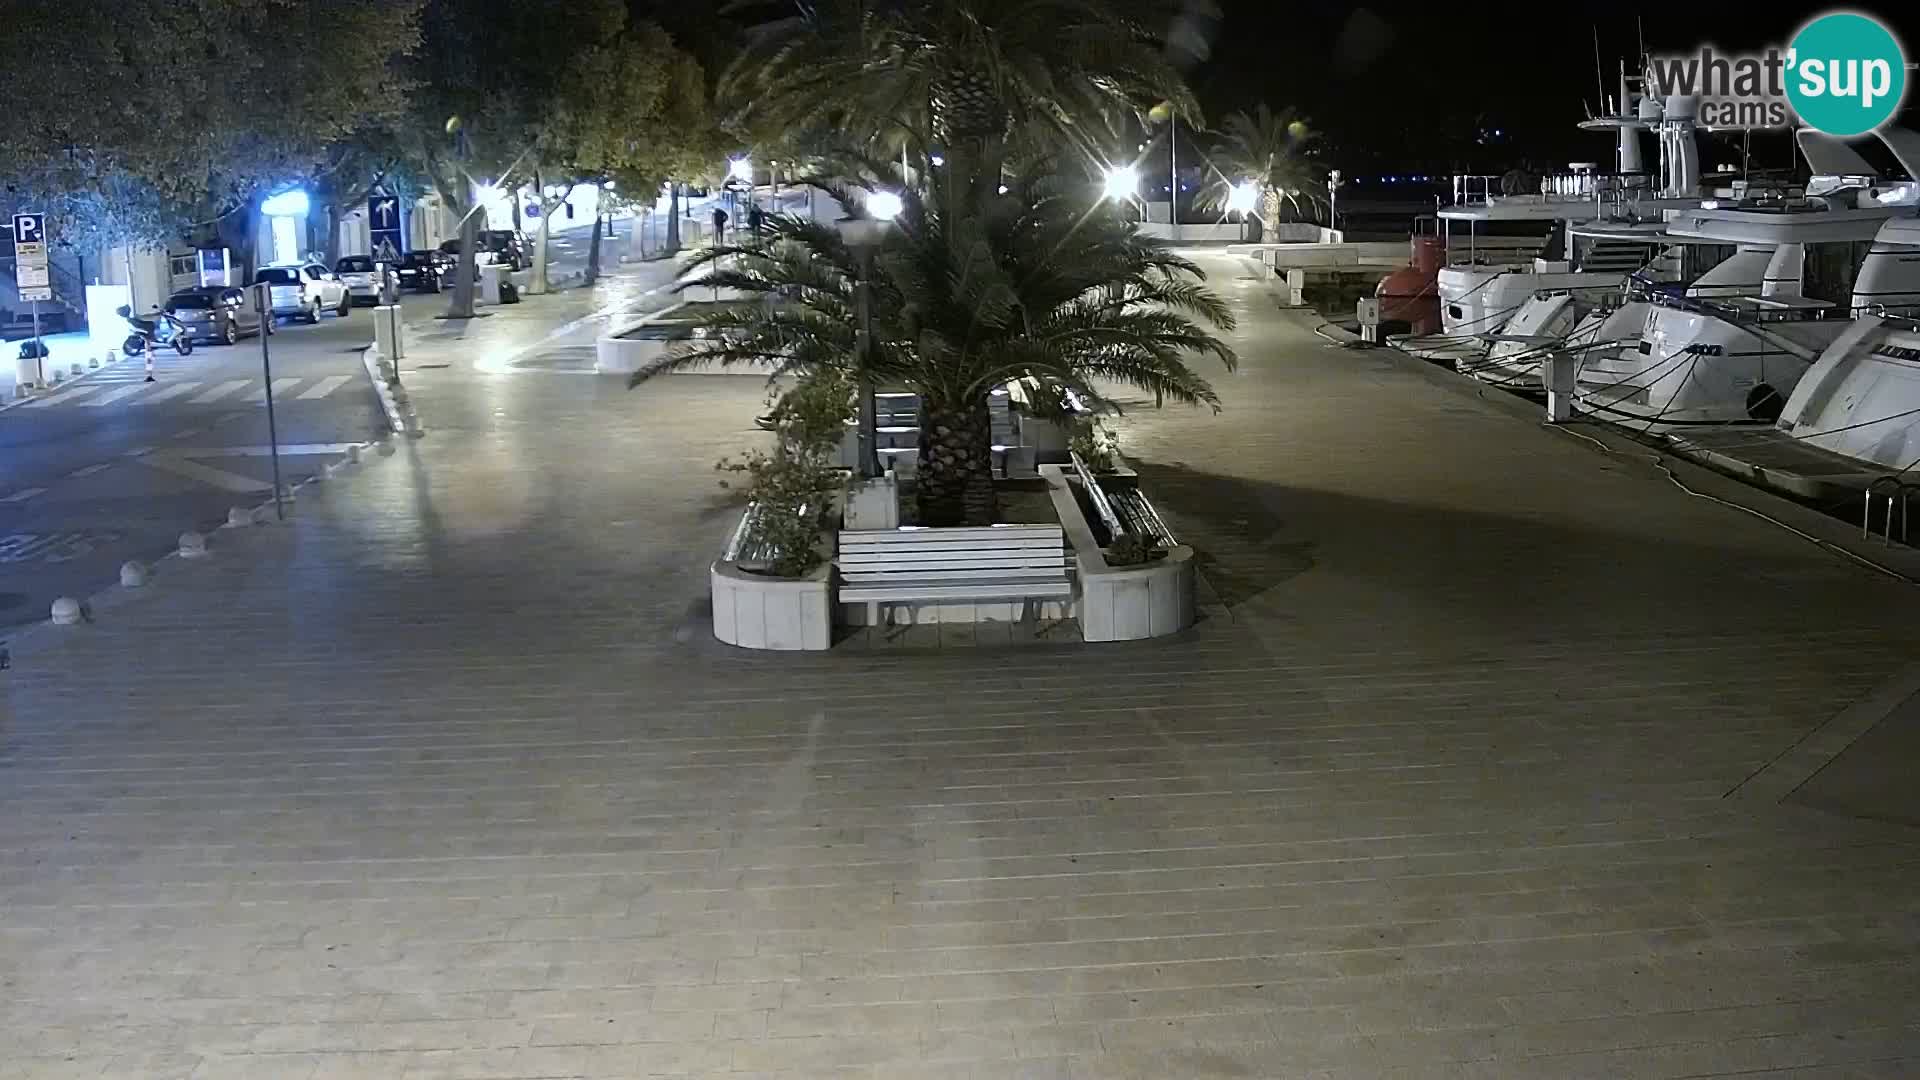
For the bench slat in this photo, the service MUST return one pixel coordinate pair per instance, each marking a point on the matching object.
(943, 558)
(985, 573)
(912, 535)
(973, 591)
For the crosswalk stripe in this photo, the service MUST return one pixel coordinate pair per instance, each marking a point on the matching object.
(283, 387)
(111, 396)
(220, 391)
(24, 494)
(326, 386)
(173, 391)
(62, 397)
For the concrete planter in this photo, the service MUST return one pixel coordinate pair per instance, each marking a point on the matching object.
(755, 611)
(1122, 603)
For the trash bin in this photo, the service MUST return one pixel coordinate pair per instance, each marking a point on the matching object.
(26, 369)
(491, 277)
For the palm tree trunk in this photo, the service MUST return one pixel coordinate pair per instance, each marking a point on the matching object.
(954, 481)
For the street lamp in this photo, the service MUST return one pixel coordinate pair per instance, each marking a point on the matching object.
(1122, 182)
(1243, 198)
(740, 168)
(864, 235)
(884, 205)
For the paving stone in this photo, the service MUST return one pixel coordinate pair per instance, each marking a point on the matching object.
(444, 776)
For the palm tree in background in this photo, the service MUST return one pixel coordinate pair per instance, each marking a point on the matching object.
(1268, 149)
(972, 78)
(1038, 285)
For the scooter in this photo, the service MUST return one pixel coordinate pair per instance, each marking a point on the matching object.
(147, 332)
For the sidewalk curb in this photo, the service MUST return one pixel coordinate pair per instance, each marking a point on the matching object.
(119, 359)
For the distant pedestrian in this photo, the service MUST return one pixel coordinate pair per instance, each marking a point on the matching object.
(719, 225)
(754, 218)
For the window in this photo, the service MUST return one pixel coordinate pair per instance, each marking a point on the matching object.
(278, 275)
(313, 273)
(354, 264)
(190, 301)
(233, 296)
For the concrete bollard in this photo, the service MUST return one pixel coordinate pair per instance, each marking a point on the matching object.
(93, 361)
(353, 455)
(76, 370)
(193, 545)
(133, 575)
(66, 611)
(113, 356)
(239, 517)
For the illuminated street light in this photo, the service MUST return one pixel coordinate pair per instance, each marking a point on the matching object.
(1122, 182)
(884, 205)
(1243, 198)
(740, 168)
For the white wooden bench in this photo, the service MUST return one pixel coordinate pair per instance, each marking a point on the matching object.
(992, 562)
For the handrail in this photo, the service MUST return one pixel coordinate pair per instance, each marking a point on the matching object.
(1101, 505)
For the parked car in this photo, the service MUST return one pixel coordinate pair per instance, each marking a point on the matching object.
(304, 290)
(359, 275)
(501, 247)
(425, 271)
(214, 313)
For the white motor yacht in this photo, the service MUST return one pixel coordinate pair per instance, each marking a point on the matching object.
(1861, 399)
(1504, 248)
(1735, 359)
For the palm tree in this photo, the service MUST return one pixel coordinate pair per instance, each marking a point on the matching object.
(1039, 286)
(966, 76)
(1269, 150)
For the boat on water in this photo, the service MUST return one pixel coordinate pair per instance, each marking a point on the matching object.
(1582, 233)
(1735, 356)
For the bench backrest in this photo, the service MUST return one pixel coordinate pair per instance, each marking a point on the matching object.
(996, 552)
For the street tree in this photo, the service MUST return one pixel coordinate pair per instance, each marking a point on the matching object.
(172, 118)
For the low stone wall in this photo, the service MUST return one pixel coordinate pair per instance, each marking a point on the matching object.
(1122, 603)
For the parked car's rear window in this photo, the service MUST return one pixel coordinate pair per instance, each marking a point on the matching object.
(188, 301)
(354, 264)
(278, 276)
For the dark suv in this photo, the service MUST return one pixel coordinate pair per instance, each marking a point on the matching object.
(501, 247)
(424, 270)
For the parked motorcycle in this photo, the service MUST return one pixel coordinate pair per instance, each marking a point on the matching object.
(153, 330)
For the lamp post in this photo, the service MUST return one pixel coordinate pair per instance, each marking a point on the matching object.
(1333, 199)
(1121, 183)
(864, 235)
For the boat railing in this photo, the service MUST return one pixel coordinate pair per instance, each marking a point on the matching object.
(1578, 185)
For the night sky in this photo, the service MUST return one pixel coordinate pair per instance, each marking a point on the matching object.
(1410, 88)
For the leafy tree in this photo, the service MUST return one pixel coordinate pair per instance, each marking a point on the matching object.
(1040, 285)
(168, 117)
(1269, 150)
(975, 78)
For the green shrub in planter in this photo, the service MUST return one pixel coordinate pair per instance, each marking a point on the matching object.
(794, 485)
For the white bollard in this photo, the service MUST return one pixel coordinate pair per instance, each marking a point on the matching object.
(133, 575)
(1296, 288)
(353, 454)
(113, 356)
(239, 517)
(66, 611)
(389, 334)
(93, 361)
(1558, 374)
(193, 545)
(76, 370)
(149, 365)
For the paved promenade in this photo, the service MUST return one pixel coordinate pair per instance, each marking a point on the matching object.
(444, 777)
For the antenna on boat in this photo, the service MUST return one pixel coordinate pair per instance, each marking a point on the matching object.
(1599, 78)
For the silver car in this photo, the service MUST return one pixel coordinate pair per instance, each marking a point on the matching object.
(362, 280)
(214, 313)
